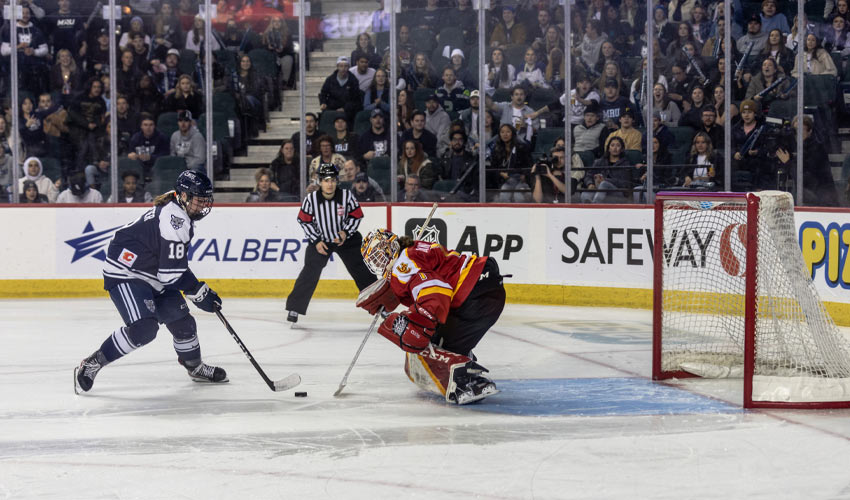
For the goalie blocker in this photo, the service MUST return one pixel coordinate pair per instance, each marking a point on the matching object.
(452, 301)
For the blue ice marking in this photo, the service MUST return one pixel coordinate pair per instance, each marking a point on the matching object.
(596, 397)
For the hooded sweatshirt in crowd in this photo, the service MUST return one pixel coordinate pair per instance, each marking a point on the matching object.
(191, 146)
(45, 185)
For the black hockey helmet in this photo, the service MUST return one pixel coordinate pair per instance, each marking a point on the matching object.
(199, 193)
(327, 170)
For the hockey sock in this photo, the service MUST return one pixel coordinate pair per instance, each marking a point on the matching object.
(184, 331)
(127, 339)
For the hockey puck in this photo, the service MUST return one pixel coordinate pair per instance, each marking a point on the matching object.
(300, 394)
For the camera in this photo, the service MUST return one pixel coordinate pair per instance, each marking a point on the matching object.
(778, 133)
(542, 166)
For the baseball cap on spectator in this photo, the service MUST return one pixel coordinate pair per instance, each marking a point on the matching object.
(174, 52)
(611, 82)
(656, 114)
(474, 93)
(361, 176)
(749, 105)
(755, 18)
(663, 9)
(509, 7)
(78, 184)
(376, 112)
(432, 97)
(457, 52)
(340, 117)
(593, 107)
(184, 115)
(30, 184)
(342, 59)
(628, 112)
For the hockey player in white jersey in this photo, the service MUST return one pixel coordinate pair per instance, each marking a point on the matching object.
(145, 272)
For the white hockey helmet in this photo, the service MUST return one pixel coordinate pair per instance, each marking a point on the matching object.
(379, 248)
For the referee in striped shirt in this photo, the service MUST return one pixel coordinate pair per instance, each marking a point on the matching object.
(330, 217)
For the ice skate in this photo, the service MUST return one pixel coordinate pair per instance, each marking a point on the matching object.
(85, 373)
(203, 372)
(469, 385)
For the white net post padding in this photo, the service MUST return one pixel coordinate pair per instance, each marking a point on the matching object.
(800, 358)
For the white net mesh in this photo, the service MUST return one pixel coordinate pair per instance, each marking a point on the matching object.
(800, 353)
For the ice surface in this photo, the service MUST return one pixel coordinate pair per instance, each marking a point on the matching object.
(578, 416)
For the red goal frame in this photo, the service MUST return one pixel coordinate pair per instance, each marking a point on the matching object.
(752, 207)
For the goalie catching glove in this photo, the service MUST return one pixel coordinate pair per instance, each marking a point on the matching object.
(411, 330)
(377, 295)
(206, 299)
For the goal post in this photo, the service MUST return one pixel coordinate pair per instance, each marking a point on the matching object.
(732, 298)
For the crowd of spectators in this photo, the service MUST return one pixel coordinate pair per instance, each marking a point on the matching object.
(64, 106)
(525, 93)
(64, 68)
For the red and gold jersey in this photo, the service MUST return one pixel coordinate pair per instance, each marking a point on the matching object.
(436, 278)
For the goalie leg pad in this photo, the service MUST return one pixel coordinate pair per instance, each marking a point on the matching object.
(431, 368)
(377, 295)
(456, 377)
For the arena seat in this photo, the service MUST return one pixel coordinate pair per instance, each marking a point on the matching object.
(379, 169)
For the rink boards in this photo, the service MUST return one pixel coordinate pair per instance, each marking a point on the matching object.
(556, 254)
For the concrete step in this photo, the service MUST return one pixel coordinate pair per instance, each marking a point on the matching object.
(329, 54)
(234, 197)
(294, 102)
(241, 174)
(234, 184)
(254, 160)
(254, 150)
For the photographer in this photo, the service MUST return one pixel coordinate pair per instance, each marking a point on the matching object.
(818, 184)
(549, 185)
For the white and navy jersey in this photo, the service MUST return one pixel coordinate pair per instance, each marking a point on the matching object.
(152, 249)
(323, 219)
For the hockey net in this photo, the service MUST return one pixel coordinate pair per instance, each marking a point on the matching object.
(733, 298)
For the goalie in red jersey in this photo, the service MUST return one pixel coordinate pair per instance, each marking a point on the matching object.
(452, 300)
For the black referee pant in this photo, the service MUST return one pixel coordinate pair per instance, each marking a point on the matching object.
(314, 262)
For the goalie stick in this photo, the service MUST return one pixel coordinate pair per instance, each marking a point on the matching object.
(381, 313)
(283, 384)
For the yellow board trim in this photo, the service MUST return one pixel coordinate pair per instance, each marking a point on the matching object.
(560, 295)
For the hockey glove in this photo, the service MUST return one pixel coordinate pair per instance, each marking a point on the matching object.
(378, 294)
(411, 330)
(206, 299)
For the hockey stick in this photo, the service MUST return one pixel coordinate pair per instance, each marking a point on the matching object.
(378, 315)
(283, 384)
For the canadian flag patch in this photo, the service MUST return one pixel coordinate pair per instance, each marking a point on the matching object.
(127, 257)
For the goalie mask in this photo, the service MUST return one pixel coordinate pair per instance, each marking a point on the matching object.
(379, 248)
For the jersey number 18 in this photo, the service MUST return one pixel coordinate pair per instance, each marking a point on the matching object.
(176, 250)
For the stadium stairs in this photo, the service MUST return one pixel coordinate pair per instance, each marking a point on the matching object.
(285, 122)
